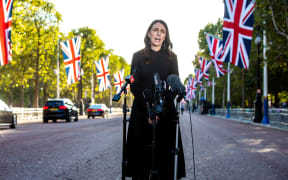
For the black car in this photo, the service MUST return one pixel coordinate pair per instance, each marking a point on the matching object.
(59, 109)
(7, 117)
(97, 110)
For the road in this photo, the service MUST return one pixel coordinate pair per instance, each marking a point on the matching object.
(92, 149)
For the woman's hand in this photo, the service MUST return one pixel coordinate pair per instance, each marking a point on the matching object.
(150, 121)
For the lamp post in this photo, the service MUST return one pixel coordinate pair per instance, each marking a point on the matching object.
(258, 102)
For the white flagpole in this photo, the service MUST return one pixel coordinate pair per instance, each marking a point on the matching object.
(265, 80)
(228, 92)
(200, 96)
(205, 94)
(196, 104)
(58, 71)
(92, 86)
(213, 90)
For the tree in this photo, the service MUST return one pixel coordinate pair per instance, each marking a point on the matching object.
(35, 36)
(272, 16)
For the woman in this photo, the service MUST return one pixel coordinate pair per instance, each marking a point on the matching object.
(156, 57)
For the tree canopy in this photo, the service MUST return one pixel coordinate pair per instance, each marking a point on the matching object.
(271, 17)
(30, 79)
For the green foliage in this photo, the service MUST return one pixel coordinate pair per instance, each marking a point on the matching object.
(30, 77)
(274, 14)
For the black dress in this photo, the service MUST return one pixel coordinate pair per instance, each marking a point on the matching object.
(139, 140)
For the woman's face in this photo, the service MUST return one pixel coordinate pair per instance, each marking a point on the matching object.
(157, 35)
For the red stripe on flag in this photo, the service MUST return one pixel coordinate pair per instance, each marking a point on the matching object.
(3, 35)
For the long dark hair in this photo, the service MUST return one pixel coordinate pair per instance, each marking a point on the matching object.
(167, 44)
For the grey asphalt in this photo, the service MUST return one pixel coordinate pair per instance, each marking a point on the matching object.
(92, 149)
(229, 149)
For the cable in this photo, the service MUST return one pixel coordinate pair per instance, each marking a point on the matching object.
(194, 171)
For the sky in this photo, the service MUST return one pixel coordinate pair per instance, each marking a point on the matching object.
(122, 24)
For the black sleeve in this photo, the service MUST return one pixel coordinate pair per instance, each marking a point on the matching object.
(136, 87)
(171, 113)
(174, 66)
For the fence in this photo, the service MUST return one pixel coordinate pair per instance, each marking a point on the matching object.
(28, 114)
(278, 117)
(36, 114)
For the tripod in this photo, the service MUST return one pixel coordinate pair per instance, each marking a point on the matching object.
(176, 140)
(124, 151)
(154, 172)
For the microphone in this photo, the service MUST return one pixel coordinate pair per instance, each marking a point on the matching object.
(156, 79)
(158, 94)
(176, 86)
(128, 80)
(148, 97)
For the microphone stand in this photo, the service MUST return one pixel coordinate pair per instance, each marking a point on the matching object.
(124, 151)
(154, 172)
(176, 152)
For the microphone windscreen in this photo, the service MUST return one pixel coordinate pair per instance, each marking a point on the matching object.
(174, 82)
(147, 94)
(156, 79)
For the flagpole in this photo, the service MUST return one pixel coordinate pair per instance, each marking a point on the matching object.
(58, 90)
(196, 104)
(200, 99)
(228, 92)
(213, 90)
(205, 94)
(92, 86)
(110, 100)
(265, 81)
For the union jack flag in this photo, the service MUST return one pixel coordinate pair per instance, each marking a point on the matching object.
(238, 31)
(204, 65)
(215, 47)
(102, 67)
(6, 7)
(191, 89)
(198, 77)
(119, 80)
(209, 83)
(218, 65)
(72, 58)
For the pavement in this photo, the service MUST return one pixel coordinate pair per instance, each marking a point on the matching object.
(270, 125)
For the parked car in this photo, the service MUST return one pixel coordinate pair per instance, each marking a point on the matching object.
(97, 110)
(7, 117)
(59, 109)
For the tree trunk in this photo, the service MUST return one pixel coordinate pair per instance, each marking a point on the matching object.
(22, 96)
(45, 95)
(36, 97)
(11, 98)
(223, 98)
(276, 101)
